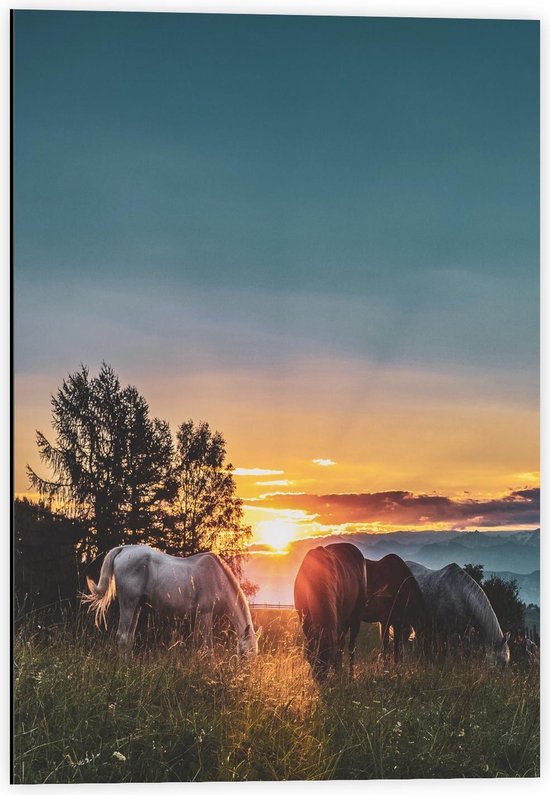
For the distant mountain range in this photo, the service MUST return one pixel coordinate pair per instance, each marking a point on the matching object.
(509, 554)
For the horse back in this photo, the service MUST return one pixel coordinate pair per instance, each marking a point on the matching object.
(170, 584)
(445, 594)
(393, 592)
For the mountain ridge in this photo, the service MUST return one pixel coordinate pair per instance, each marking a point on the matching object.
(512, 554)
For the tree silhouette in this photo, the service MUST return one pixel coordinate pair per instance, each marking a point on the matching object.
(146, 462)
(475, 570)
(46, 553)
(110, 462)
(506, 602)
(207, 514)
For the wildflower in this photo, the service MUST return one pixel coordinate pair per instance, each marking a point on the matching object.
(119, 757)
(80, 762)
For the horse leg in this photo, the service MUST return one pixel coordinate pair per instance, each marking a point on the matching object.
(127, 622)
(339, 650)
(353, 633)
(321, 653)
(397, 639)
(429, 643)
(444, 648)
(204, 630)
(133, 625)
(385, 641)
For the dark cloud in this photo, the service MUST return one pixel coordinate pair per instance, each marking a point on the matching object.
(406, 508)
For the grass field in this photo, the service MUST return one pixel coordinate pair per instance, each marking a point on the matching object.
(84, 715)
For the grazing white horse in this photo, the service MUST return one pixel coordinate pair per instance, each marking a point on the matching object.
(456, 604)
(198, 587)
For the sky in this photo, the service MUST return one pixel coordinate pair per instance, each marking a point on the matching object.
(319, 234)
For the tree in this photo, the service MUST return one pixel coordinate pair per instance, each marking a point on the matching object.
(505, 601)
(110, 464)
(503, 596)
(46, 556)
(114, 468)
(146, 463)
(207, 514)
(475, 570)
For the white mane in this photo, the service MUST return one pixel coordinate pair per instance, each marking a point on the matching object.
(478, 604)
(456, 601)
(241, 599)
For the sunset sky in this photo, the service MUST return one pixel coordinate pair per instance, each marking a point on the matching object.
(320, 235)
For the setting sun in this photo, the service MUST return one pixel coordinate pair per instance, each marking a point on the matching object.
(276, 532)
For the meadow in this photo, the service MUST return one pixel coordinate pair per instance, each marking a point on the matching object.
(84, 714)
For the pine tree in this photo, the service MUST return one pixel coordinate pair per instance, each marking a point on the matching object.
(110, 462)
(207, 514)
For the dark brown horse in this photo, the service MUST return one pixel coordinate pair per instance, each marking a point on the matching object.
(394, 599)
(329, 595)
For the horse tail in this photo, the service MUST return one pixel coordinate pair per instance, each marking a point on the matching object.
(102, 594)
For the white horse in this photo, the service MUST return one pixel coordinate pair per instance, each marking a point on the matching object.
(456, 604)
(198, 587)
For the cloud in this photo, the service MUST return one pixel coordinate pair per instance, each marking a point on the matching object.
(270, 494)
(408, 509)
(261, 549)
(323, 462)
(256, 472)
(274, 483)
(529, 477)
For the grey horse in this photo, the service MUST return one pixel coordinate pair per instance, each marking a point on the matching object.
(457, 604)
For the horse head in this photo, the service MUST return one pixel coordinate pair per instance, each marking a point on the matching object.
(320, 657)
(248, 642)
(499, 654)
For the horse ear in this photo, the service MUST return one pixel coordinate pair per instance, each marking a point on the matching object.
(247, 631)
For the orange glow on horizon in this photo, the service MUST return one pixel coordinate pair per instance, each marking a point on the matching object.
(458, 435)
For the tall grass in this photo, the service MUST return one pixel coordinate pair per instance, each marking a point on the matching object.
(83, 714)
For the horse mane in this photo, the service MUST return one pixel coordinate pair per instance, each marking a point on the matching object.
(478, 603)
(235, 586)
(347, 553)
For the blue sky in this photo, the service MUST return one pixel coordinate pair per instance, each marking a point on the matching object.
(244, 194)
